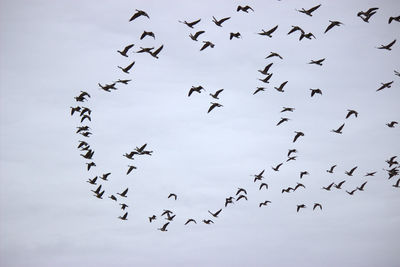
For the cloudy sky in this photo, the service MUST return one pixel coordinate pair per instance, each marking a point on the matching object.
(52, 50)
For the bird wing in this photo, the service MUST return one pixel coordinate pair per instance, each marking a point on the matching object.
(340, 128)
(224, 19)
(194, 22)
(155, 53)
(197, 34)
(272, 30)
(313, 9)
(125, 191)
(330, 26)
(211, 107)
(392, 43)
(206, 44)
(130, 66)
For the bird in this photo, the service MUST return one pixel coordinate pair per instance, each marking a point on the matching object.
(298, 134)
(190, 220)
(370, 174)
(309, 11)
(155, 53)
(303, 173)
(113, 197)
(108, 87)
(125, 50)
(351, 192)
(164, 228)
(219, 22)
(361, 188)
(123, 194)
(258, 89)
(328, 188)
(391, 124)
(168, 212)
(385, 85)
(282, 121)
(240, 197)
(127, 68)
(169, 217)
(317, 62)
(338, 130)
(75, 109)
(299, 185)
(244, 9)
(207, 221)
(207, 44)
(301, 206)
(291, 158)
(130, 168)
(306, 35)
(287, 190)
(82, 144)
(294, 29)
(88, 155)
(395, 73)
(172, 195)
(105, 175)
(216, 213)
(196, 35)
(394, 18)
(276, 168)
(264, 203)
(350, 173)
(331, 169)
(141, 149)
(190, 24)
(392, 161)
(145, 50)
(130, 155)
(100, 195)
(258, 176)
(317, 205)
(195, 89)
(124, 218)
(152, 218)
(241, 190)
(214, 105)
(351, 112)
(145, 33)
(274, 54)
(234, 34)
(85, 117)
(92, 181)
(280, 88)
(123, 206)
(397, 184)
(284, 109)
(339, 185)
(388, 46)
(266, 69)
(365, 16)
(98, 190)
(215, 95)
(290, 151)
(123, 81)
(138, 14)
(333, 24)
(269, 32)
(315, 91)
(83, 111)
(229, 200)
(90, 165)
(266, 79)
(263, 185)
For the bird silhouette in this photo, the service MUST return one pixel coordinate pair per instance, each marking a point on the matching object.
(130, 168)
(169, 217)
(229, 200)
(303, 173)
(309, 11)
(216, 213)
(395, 73)
(219, 22)
(350, 173)
(145, 50)
(338, 130)
(123, 81)
(287, 190)
(315, 91)
(207, 44)
(269, 32)
(130, 155)
(361, 188)
(138, 14)
(274, 54)
(294, 29)
(152, 218)
(331, 169)
(282, 121)
(388, 46)
(385, 85)
(241, 190)
(125, 50)
(112, 197)
(332, 24)
(276, 168)
(123, 194)
(213, 105)
(317, 205)
(145, 33)
(190, 24)
(75, 109)
(190, 220)
(280, 88)
(397, 184)
(127, 68)
(391, 124)
(215, 95)
(92, 181)
(263, 185)
(164, 228)
(317, 62)
(90, 165)
(166, 212)
(195, 89)
(351, 112)
(207, 221)
(234, 34)
(108, 87)
(291, 158)
(394, 18)
(392, 161)
(285, 109)
(266, 69)
(240, 197)
(365, 16)
(244, 9)
(298, 186)
(351, 192)
(301, 206)
(266, 79)
(196, 35)
(124, 218)
(258, 89)
(123, 206)
(105, 176)
(370, 174)
(290, 151)
(298, 134)
(328, 188)
(308, 36)
(339, 185)
(155, 53)
(264, 203)
(172, 195)
(98, 190)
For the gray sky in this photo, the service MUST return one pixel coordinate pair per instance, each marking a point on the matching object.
(51, 50)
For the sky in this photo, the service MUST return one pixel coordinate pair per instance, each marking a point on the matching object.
(52, 50)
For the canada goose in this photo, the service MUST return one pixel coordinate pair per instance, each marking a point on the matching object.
(141, 149)
(391, 124)
(280, 88)
(123, 81)
(299, 185)
(350, 173)
(309, 11)
(100, 195)
(397, 184)
(315, 91)
(263, 184)
(229, 200)
(112, 197)
(395, 73)
(90, 165)
(130, 168)
(317, 205)
(269, 32)
(207, 44)
(333, 24)
(266, 69)
(241, 190)
(190, 24)
(351, 112)
(392, 161)
(152, 218)
(317, 62)
(216, 213)
(306, 35)
(105, 175)
(394, 18)
(108, 87)
(169, 217)
(258, 176)
(370, 174)
(367, 17)
(258, 89)
(385, 85)
(125, 50)
(302, 206)
(83, 111)
(92, 181)
(144, 34)
(86, 134)
(130, 155)
(244, 9)
(331, 169)
(97, 191)
(240, 197)
(127, 68)
(388, 46)
(155, 53)
(138, 14)
(328, 188)
(361, 188)
(195, 89)
(88, 155)
(164, 228)
(82, 143)
(276, 168)
(172, 195)
(214, 105)
(266, 79)
(168, 212)
(284, 109)
(351, 192)
(123, 206)
(190, 220)
(291, 158)
(75, 109)
(264, 203)
(236, 35)
(196, 35)
(146, 152)
(294, 29)
(298, 134)
(145, 50)
(287, 190)
(207, 221)
(274, 54)
(339, 185)
(215, 95)
(219, 22)
(290, 151)
(338, 130)
(303, 173)
(366, 13)
(85, 117)
(123, 194)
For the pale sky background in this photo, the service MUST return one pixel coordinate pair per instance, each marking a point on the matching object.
(51, 50)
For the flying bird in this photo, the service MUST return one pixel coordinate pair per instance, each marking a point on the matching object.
(259, 89)
(397, 184)
(308, 36)
(385, 85)
(216, 213)
(164, 228)
(90, 165)
(112, 197)
(229, 200)
(303, 173)
(333, 24)
(169, 217)
(190, 24)
(105, 176)
(370, 174)
(190, 220)
(395, 73)
(317, 62)
(280, 88)
(219, 22)
(266, 79)
(274, 54)
(282, 121)
(126, 49)
(123, 81)
(302, 206)
(366, 15)
(207, 44)
(317, 205)
(391, 124)
(269, 32)
(172, 195)
(351, 112)
(315, 91)
(152, 218)
(290, 151)
(145, 33)
(276, 168)
(388, 46)
(124, 218)
(338, 130)
(298, 134)
(244, 9)
(266, 69)
(350, 173)
(215, 95)
(291, 158)
(309, 11)
(123, 206)
(294, 29)
(351, 192)
(195, 89)
(123, 194)
(155, 53)
(236, 35)
(241, 190)
(145, 50)
(240, 197)
(394, 18)
(339, 185)
(138, 14)
(92, 181)
(214, 105)
(130, 168)
(361, 188)
(207, 221)
(299, 185)
(328, 188)
(263, 185)
(284, 109)
(264, 203)
(196, 35)
(127, 68)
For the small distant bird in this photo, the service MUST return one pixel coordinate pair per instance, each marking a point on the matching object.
(123, 81)
(317, 62)
(190, 24)
(236, 35)
(131, 167)
(395, 73)
(361, 188)
(214, 105)
(90, 165)
(338, 130)
(351, 192)
(290, 151)
(266, 79)
(229, 200)
(308, 36)
(309, 11)
(302, 206)
(299, 185)
(263, 185)
(113, 197)
(169, 217)
(351, 112)
(331, 169)
(244, 9)
(190, 220)
(392, 161)
(284, 109)
(207, 44)
(259, 89)
(258, 176)
(145, 50)
(219, 22)
(365, 16)
(126, 49)
(282, 121)
(397, 184)
(207, 221)
(264, 203)
(385, 85)
(276, 168)
(303, 173)
(241, 190)
(298, 134)
(164, 228)
(294, 29)
(172, 195)
(317, 205)
(391, 124)
(138, 14)
(287, 190)
(350, 173)
(333, 24)
(315, 91)
(123, 194)
(89, 111)
(145, 33)
(394, 18)
(130, 155)
(269, 32)
(274, 54)
(168, 212)
(92, 181)
(123, 206)
(82, 143)
(75, 109)
(339, 185)
(127, 68)
(152, 218)
(266, 69)
(216, 213)
(195, 89)
(155, 53)
(100, 195)
(196, 35)
(105, 175)
(370, 174)
(98, 190)
(291, 158)
(328, 188)
(108, 87)
(388, 46)
(280, 88)
(215, 95)
(85, 117)
(240, 197)
(124, 218)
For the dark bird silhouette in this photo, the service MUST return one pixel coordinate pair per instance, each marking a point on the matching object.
(361, 188)
(83, 112)
(126, 49)
(258, 176)
(152, 218)
(82, 144)
(108, 87)
(85, 117)
(266, 69)
(190, 220)
(105, 175)
(392, 161)
(370, 174)
(338, 130)
(216, 213)
(284, 109)
(317, 62)
(145, 50)
(308, 36)
(244, 9)
(263, 185)
(172, 195)
(127, 68)
(397, 184)
(274, 54)
(75, 109)
(350, 173)
(130, 155)
(88, 155)
(207, 221)
(339, 185)
(351, 112)
(280, 88)
(365, 16)
(214, 105)
(333, 24)
(291, 158)
(395, 73)
(385, 85)
(328, 188)
(298, 134)
(351, 192)
(123, 206)
(123, 194)
(169, 217)
(123, 81)
(215, 95)
(287, 190)
(294, 29)
(302, 206)
(309, 11)
(229, 200)
(164, 228)
(317, 205)
(141, 149)
(219, 22)
(290, 151)
(155, 53)
(303, 173)
(196, 35)
(259, 89)
(138, 14)
(98, 190)
(394, 18)
(113, 197)
(315, 91)
(282, 121)
(168, 212)
(195, 89)
(241, 190)
(266, 79)
(145, 33)
(240, 197)
(130, 168)
(190, 24)
(331, 169)
(124, 218)
(264, 203)
(92, 181)
(234, 34)
(388, 46)
(391, 124)
(276, 168)
(299, 185)
(90, 165)
(269, 32)
(207, 44)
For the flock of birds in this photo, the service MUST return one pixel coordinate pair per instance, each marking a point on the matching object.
(241, 193)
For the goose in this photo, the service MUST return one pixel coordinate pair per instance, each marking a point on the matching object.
(258, 89)
(366, 18)
(303, 173)
(366, 13)
(350, 173)
(98, 190)
(338, 130)
(351, 112)
(123, 81)
(141, 149)
(207, 44)
(331, 169)
(215, 95)
(333, 24)
(195, 89)
(82, 129)
(216, 213)
(214, 105)
(276, 168)
(285, 109)
(290, 151)
(237, 35)
(86, 134)
(145, 50)
(397, 184)
(299, 185)
(152, 218)
(168, 212)
(396, 73)
(240, 197)
(107, 87)
(294, 29)
(385, 85)
(241, 190)
(146, 152)
(370, 174)
(280, 88)
(145, 33)
(123, 194)
(164, 228)
(83, 111)
(274, 54)
(264, 203)
(125, 50)
(266, 79)
(90, 165)
(196, 35)
(229, 200)
(207, 221)
(391, 124)
(127, 68)
(394, 18)
(244, 9)
(392, 161)
(361, 188)
(339, 185)
(266, 69)
(155, 53)
(301, 206)
(308, 36)
(172, 195)
(388, 46)
(123, 206)
(317, 62)
(219, 22)
(88, 155)
(309, 11)
(92, 181)
(190, 220)
(112, 197)
(269, 32)
(84, 94)
(287, 190)
(100, 195)
(82, 144)
(263, 185)
(258, 176)
(130, 155)
(351, 192)
(317, 205)
(298, 134)
(291, 158)
(190, 24)
(169, 217)
(130, 168)
(75, 109)
(328, 188)
(85, 117)
(315, 91)
(138, 14)
(105, 175)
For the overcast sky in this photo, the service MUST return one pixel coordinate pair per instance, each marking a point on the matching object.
(52, 50)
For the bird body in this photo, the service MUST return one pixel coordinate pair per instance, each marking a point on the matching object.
(317, 62)
(138, 14)
(302, 206)
(280, 88)
(298, 134)
(350, 173)
(124, 217)
(244, 9)
(125, 50)
(269, 32)
(333, 24)
(127, 68)
(172, 195)
(315, 91)
(309, 11)
(338, 130)
(196, 35)
(215, 95)
(214, 105)
(190, 24)
(207, 44)
(219, 22)
(216, 213)
(195, 89)
(388, 46)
